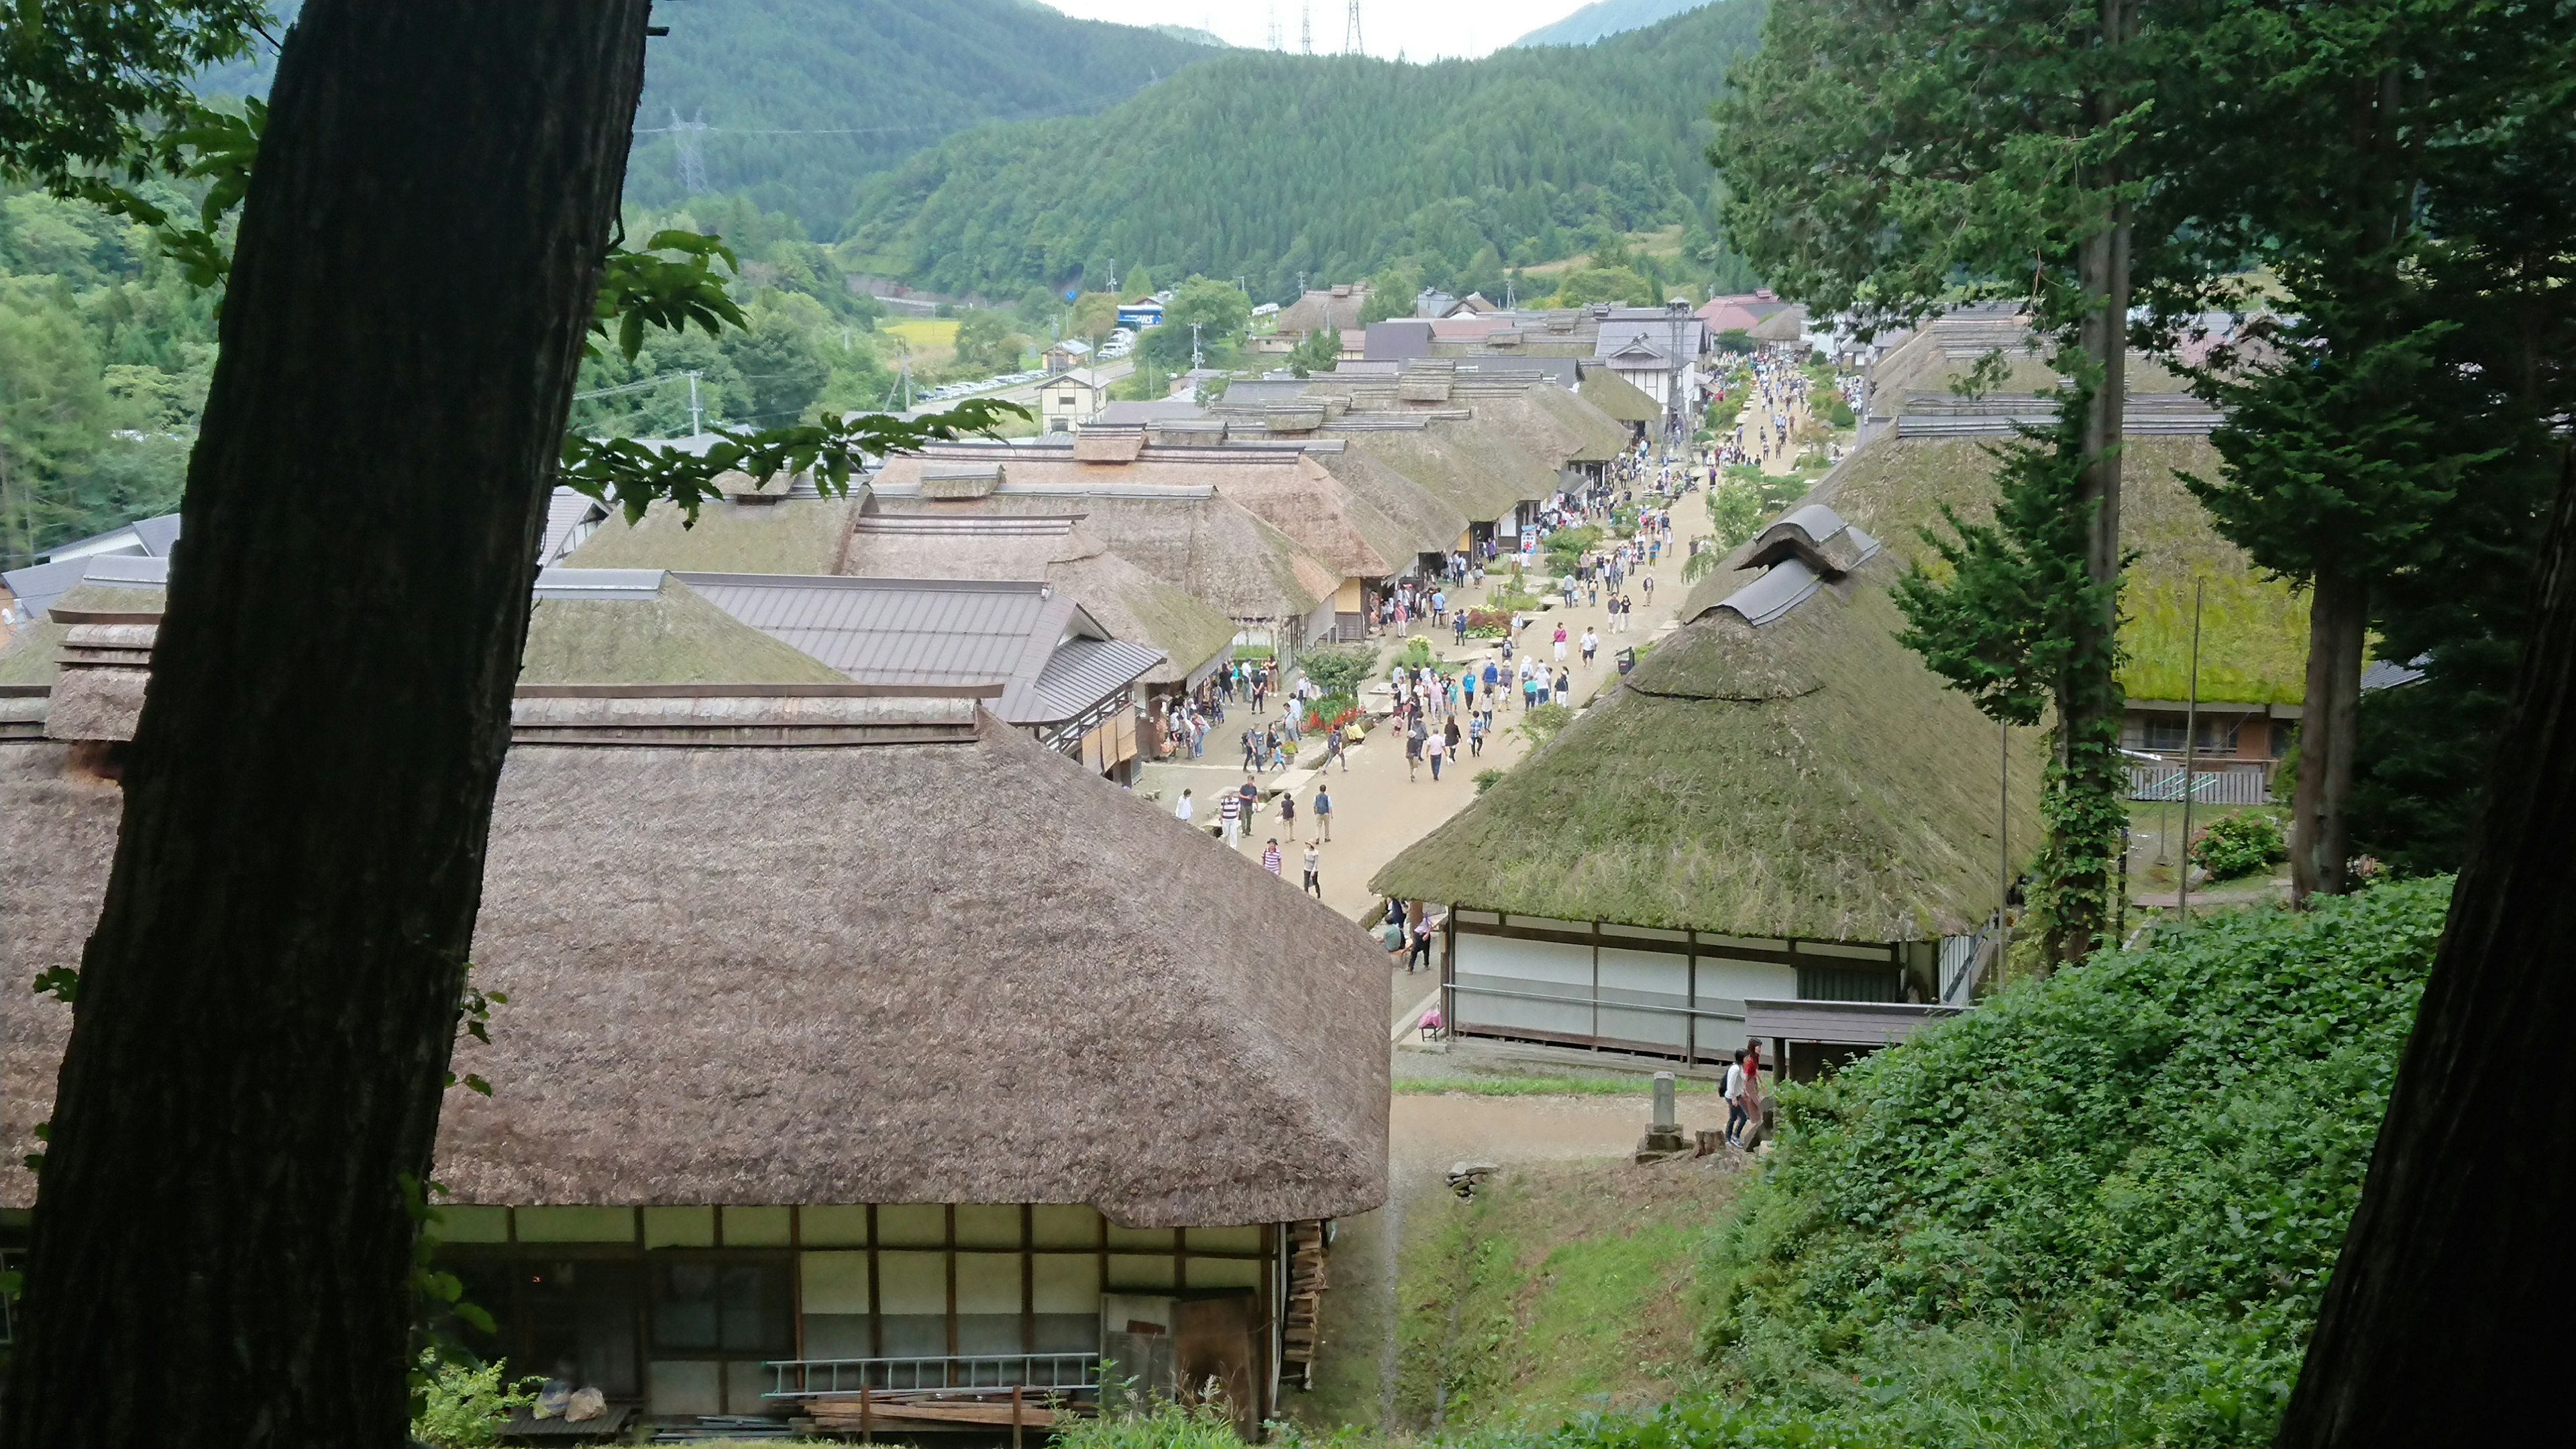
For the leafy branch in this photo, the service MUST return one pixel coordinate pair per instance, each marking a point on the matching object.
(203, 145)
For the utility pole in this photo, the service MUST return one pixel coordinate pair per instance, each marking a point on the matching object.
(697, 422)
(1351, 42)
(1198, 359)
(2003, 863)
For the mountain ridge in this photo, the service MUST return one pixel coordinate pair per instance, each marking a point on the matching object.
(1604, 18)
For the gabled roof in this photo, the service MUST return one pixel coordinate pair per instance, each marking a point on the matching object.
(827, 949)
(1617, 396)
(1133, 604)
(39, 586)
(942, 633)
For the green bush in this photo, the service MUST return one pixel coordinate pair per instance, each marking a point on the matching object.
(1486, 779)
(462, 1407)
(1543, 722)
(1566, 547)
(1341, 669)
(2239, 845)
(1415, 654)
(1151, 1424)
(1735, 510)
(2099, 1210)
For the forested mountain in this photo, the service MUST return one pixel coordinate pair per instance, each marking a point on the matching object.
(1605, 18)
(803, 97)
(1266, 166)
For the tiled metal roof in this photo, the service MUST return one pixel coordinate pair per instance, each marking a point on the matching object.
(1788, 584)
(37, 587)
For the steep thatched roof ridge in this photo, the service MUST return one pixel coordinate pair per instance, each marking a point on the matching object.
(2254, 643)
(1808, 778)
(1326, 516)
(932, 972)
(1471, 465)
(1163, 513)
(793, 536)
(1584, 432)
(1430, 521)
(674, 637)
(1618, 397)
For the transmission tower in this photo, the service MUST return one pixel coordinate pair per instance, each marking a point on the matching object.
(1306, 27)
(1351, 44)
(684, 140)
(1274, 28)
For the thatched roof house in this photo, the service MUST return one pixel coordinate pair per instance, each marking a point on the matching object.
(1133, 604)
(840, 1028)
(1335, 309)
(1159, 508)
(1779, 805)
(1619, 398)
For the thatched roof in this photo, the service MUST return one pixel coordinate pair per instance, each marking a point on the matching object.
(1336, 308)
(1478, 470)
(664, 634)
(1430, 521)
(792, 536)
(1807, 777)
(1618, 397)
(2254, 644)
(944, 966)
(1162, 512)
(1129, 602)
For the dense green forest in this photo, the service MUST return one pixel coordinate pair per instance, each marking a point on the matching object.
(1268, 167)
(803, 97)
(105, 352)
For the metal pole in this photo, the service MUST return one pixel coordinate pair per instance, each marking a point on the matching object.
(696, 426)
(2190, 752)
(2003, 858)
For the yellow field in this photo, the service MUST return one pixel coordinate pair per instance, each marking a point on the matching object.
(924, 334)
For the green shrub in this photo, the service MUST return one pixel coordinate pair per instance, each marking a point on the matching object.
(2239, 845)
(1735, 509)
(462, 1407)
(1151, 1424)
(1342, 669)
(1543, 722)
(1486, 779)
(2099, 1210)
(1415, 654)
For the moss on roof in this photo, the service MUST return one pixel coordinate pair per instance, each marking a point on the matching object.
(797, 536)
(1617, 396)
(1810, 778)
(2254, 630)
(676, 637)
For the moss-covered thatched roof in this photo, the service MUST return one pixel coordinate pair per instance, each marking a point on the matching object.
(675, 637)
(794, 536)
(1617, 396)
(2254, 630)
(1807, 778)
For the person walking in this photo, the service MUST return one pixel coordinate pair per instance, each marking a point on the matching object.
(1437, 748)
(1251, 752)
(1288, 813)
(1734, 1097)
(1230, 814)
(1270, 856)
(1559, 641)
(1412, 750)
(1452, 734)
(1591, 642)
(1186, 809)
(1648, 584)
(1333, 740)
(1323, 813)
(1564, 688)
(1315, 869)
(1250, 795)
(1419, 958)
(1476, 736)
(1751, 1130)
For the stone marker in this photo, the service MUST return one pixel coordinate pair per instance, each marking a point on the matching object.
(1664, 1133)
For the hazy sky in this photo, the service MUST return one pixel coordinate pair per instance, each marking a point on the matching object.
(1422, 29)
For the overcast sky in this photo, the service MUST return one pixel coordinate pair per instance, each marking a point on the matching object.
(1421, 29)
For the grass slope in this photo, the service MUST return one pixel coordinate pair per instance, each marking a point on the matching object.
(2098, 1211)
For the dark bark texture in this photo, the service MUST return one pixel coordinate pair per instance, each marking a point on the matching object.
(2320, 805)
(2459, 1258)
(267, 1006)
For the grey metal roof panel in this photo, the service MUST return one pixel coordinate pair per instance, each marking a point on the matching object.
(1770, 597)
(158, 535)
(39, 585)
(1087, 671)
(892, 631)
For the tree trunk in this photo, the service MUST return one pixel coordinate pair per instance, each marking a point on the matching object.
(2320, 843)
(2086, 819)
(2460, 1251)
(266, 1008)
